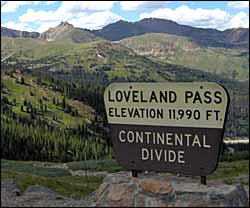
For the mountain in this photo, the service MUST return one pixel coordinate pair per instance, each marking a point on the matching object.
(66, 31)
(238, 36)
(120, 30)
(231, 38)
(231, 63)
(6, 32)
(206, 37)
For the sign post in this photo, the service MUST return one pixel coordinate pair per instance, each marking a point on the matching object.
(204, 180)
(167, 127)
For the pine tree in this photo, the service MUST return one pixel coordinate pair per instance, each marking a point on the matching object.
(22, 80)
(63, 103)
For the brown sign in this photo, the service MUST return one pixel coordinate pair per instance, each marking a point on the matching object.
(167, 127)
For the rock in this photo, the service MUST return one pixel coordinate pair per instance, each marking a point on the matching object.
(41, 190)
(199, 203)
(156, 203)
(101, 189)
(8, 194)
(122, 177)
(120, 195)
(16, 192)
(155, 186)
(247, 191)
(158, 190)
(8, 186)
(139, 200)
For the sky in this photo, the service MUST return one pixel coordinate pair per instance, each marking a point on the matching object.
(41, 15)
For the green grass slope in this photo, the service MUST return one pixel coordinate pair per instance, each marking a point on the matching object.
(60, 180)
(231, 63)
(114, 60)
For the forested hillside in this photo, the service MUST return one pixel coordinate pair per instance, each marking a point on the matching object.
(41, 122)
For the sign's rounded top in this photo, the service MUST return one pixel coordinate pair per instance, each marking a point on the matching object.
(117, 85)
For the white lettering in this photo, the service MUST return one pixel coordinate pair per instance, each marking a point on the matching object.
(160, 137)
(180, 157)
(120, 136)
(145, 154)
(158, 156)
(169, 138)
(147, 134)
(196, 141)
(173, 158)
(179, 139)
(139, 137)
(130, 138)
(188, 137)
(204, 142)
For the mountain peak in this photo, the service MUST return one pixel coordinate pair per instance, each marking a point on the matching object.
(122, 21)
(65, 24)
(66, 31)
(154, 21)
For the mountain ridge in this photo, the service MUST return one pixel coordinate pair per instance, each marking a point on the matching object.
(12, 33)
(63, 31)
(230, 38)
(203, 36)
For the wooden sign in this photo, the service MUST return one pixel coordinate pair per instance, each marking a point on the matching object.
(167, 127)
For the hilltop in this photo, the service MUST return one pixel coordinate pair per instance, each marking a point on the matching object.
(65, 31)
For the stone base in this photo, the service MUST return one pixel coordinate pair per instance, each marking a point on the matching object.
(165, 190)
